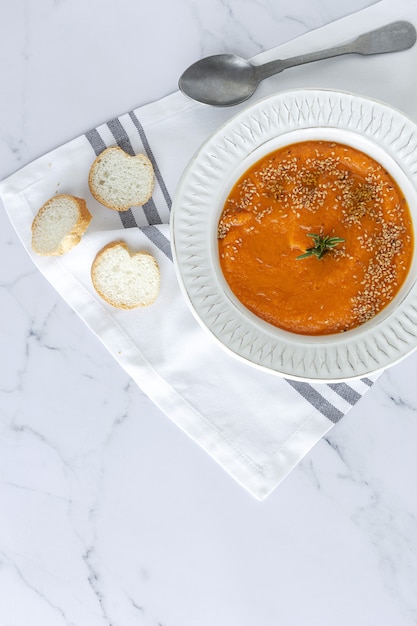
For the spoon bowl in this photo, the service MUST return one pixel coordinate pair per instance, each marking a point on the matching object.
(222, 80)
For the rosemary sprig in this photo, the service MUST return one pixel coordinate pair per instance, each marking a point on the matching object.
(322, 244)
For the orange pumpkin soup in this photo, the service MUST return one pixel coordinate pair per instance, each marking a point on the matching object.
(324, 189)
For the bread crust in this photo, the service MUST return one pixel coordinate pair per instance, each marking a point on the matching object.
(95, 269)
(102, 198)
(73, 237)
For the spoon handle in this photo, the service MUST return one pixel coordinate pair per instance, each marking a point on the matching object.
(390, 38)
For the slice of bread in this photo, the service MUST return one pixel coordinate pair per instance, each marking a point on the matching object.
(123, 278)
(59, 225)
(120, 181)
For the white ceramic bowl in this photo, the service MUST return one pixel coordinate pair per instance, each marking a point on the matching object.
(372, 127)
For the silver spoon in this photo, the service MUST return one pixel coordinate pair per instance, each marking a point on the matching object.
(226, 79)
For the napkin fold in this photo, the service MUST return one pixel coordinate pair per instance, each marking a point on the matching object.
(257, 425)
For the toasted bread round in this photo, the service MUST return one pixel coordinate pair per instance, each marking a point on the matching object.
(120, 181)
(59, 225)
(125, 279)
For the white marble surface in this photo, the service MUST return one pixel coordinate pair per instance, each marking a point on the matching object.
(109, 515)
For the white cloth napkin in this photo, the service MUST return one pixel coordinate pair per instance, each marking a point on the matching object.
(258, 426)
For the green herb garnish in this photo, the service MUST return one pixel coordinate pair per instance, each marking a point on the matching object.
(322, 244)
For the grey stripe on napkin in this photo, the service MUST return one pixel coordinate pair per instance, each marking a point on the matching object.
(346, 392)
(317, 400)
(96, 141)
(158, 239)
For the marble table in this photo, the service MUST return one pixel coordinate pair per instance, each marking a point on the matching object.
(109, 514)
